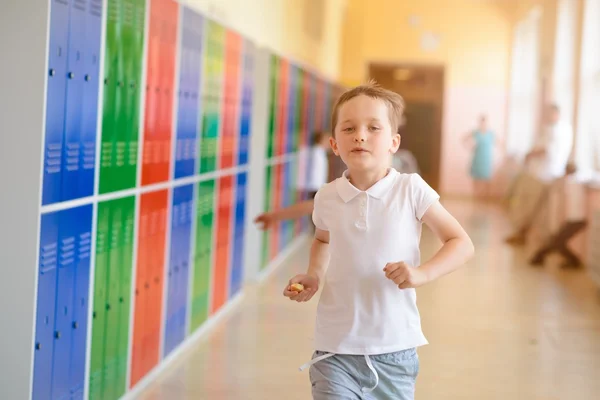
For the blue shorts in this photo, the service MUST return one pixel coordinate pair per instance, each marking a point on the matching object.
(355, 377)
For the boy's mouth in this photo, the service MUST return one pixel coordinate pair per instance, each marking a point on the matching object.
(359, 150)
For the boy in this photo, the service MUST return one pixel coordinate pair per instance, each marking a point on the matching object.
(365, 255)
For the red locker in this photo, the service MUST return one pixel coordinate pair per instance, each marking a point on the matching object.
(149, 283)
(222, 261)
(158, 119)
(231, 98)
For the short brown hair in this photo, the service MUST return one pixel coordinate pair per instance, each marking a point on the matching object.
(393, 101)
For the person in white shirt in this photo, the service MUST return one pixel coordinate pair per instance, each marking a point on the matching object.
(318, 164)
(547, 162)
(365, 256)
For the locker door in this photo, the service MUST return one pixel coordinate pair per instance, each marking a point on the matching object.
(46, 294)
(273, 105)
(237, 269)
(55, 102)
(171, 274)
(246, 103)
(91, 66)
(268, 205)
(281, 138)
(80, 301)
(188, 114)
(180, 253)
(67, 255)
(125, 281)
(154, 305)
(220, 281)
(184, 273)
(142, 287)
(103, 239)
(111, 97)
(109, 372)
(74, 98)
(203, 253)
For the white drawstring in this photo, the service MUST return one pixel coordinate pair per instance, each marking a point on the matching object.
(315, 360)
(370, 365)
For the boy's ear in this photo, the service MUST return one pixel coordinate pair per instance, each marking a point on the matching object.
(396, 140)
(333, 145)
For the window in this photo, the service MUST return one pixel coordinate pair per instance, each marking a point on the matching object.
(564, 58)
(524, 87)
(587, 148)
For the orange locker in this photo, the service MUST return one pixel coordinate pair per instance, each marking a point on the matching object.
(223, 243)
(149, 283)
(231, 98)
(160, 65)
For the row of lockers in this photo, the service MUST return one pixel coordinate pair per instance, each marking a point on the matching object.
(299, 104)
(205, 223)
(197, 92)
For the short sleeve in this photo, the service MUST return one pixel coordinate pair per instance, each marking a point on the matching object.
(423, 195)
(317, 210)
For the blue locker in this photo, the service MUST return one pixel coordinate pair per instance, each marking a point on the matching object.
(91, 82)
(189, 97)
(246, 112)
(237, 270)
(74, 97)
(46, 296)
(55, 102)
(83, 217)
(181, 229)
(285, 198)
(67, 255)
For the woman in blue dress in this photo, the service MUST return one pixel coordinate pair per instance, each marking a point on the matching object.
(482, 141)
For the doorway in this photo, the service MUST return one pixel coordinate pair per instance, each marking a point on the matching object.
(422, 87)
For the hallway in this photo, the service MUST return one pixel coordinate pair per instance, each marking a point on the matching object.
(498, 329)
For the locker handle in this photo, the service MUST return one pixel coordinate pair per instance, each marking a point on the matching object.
(75, 325)
(51, 72)
(87, 77)
(108, 307)
(71, 75)
(57, 334)
(94, 315)
(146, 285)
(106, 81)
(38, 346)
(121, 299)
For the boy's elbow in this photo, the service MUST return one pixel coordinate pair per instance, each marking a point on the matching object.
(469, 248)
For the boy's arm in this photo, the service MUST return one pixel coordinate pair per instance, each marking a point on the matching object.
(319, 254)
(457, 246)
(295, 211)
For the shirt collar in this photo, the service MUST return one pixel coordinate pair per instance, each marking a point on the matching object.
(348, 191)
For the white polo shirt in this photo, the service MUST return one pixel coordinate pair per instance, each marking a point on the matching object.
(361, 311)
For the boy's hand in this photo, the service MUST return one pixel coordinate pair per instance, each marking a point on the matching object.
(311, 286)
(265, 220)
(405, 276)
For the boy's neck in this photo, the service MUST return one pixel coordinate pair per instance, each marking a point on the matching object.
(363, 180)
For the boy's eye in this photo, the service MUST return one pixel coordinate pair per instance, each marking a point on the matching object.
(348, 129)
(375, 128)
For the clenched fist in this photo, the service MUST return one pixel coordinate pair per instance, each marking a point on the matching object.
(404, 275)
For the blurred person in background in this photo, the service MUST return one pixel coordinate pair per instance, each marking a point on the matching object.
(482, 141)
(546, 162)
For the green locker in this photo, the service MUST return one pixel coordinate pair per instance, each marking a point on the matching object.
(273, 106)
(299, 107)
(202, 258)
(266, 240)
(293, 196)
(122, 94)
(214, 64)
(109, 374)
(110, 324)
(99, 301)
(124, 295)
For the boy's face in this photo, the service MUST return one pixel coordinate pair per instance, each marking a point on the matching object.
(364, 138)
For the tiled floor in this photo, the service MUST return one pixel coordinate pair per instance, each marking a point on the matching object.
(498, 329)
